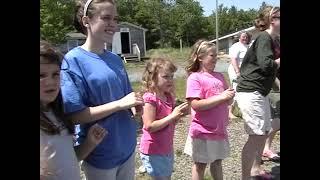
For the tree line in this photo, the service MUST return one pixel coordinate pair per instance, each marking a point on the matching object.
(167, 21)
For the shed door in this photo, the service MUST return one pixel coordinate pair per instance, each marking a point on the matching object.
(125, 42)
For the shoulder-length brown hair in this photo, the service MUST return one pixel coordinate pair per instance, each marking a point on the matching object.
(49, 55)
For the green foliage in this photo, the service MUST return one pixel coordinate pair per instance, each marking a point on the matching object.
(167, 21)
(56, 19)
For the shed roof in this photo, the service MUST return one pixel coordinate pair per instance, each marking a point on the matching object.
(130, 24)
(233, 34)
(78, 35)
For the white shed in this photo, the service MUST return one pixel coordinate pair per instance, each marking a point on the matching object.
(128, 41)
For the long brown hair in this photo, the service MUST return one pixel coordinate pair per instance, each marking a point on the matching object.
(48, 54)
(263, 20)
(199, 50)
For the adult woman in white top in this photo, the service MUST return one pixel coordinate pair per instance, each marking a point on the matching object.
(237, 53)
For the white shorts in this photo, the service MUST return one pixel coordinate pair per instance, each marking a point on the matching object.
(255, 109)
(206, 151)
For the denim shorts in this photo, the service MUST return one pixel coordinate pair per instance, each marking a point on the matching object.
(158, 165)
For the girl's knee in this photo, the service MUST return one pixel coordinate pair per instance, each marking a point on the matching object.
(257, 139)
(217, 162)
(200, 166)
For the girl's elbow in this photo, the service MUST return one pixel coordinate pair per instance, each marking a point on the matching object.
(150, 129)
(196, 107)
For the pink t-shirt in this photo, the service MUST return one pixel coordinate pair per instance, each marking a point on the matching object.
(161, 141)
(208, 124)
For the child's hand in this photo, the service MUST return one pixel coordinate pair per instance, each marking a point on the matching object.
(131, 100)
(138, 110)
(46, 153)
(96, 134)
(180, 110)
(228, 94)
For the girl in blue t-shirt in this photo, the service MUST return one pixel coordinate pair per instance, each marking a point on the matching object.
(96, 88)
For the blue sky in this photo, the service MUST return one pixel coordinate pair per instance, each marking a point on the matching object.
(210, 5)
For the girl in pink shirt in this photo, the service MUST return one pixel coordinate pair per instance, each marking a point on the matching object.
(159, 118)
(209, 96)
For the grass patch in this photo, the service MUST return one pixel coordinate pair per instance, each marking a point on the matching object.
(172, 53)
(131, 64)
(207, 175)
(136, 86)
(180, 84)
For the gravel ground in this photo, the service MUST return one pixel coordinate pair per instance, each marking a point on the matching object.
(231, 165)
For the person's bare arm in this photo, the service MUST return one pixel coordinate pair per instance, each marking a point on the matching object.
(91, 114)
(235, 65)
(95, 135)
(205, 104)
(153, 125)
(83, 150)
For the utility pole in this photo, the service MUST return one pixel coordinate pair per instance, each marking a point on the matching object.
(217, 27)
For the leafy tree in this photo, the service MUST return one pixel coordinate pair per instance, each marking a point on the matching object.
(56, 19)
(167, 21)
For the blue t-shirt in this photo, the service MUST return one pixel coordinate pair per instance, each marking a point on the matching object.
(88, 80)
